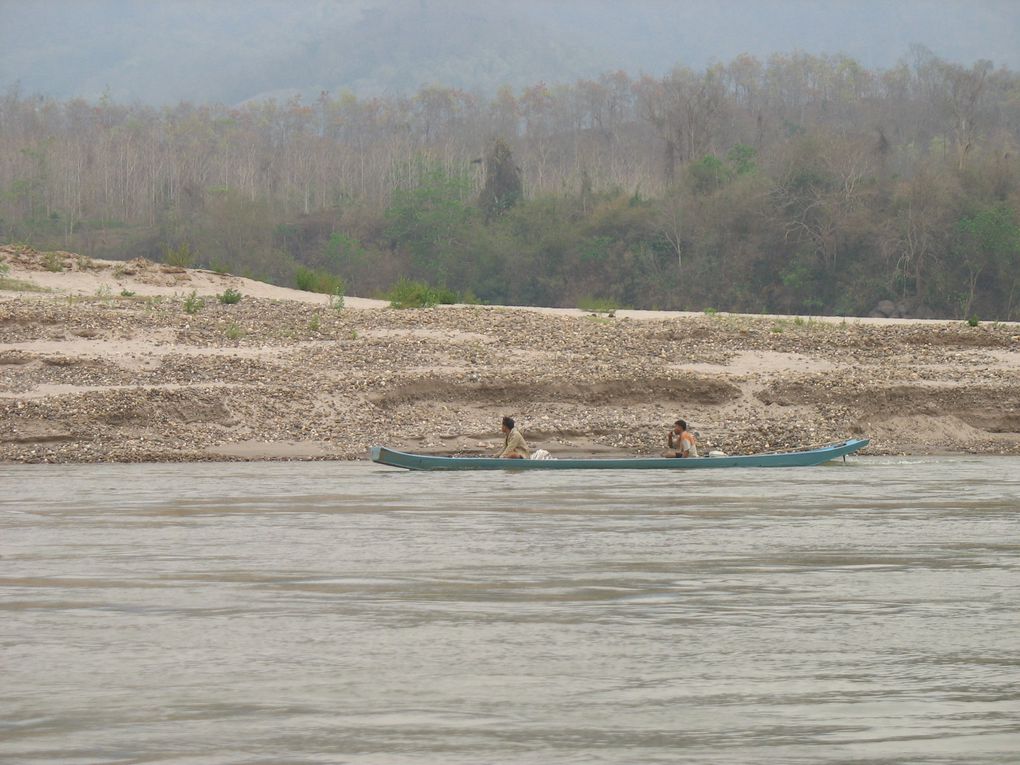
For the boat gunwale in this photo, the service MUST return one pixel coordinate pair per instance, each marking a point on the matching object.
(804, 458)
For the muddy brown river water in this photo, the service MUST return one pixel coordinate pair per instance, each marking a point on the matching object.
(866, 612)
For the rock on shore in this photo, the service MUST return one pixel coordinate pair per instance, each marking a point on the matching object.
(123, 372)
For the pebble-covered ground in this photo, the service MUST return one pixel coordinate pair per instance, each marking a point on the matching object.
(113, 377)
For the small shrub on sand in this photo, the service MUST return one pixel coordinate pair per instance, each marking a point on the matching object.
(53, 261)
(16, 285)
(598, 305)
(193, 303)
(408, 293)
(182, 257)
(314, 280)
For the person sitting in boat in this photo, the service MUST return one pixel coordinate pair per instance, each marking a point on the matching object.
(514, 446)
(680, 441)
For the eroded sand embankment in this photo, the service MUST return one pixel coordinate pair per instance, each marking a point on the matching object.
(107, 365)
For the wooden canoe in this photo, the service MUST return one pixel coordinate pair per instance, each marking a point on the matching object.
(804, 458)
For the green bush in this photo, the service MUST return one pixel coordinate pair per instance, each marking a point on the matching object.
(16, 284)
(316, 280)
(53, 261)
(193, 303)
(446, 296)
(468, 297)
(182, 257)
(408, 293)
(229, 296)
(598, 305)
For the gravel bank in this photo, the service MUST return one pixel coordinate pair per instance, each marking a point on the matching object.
(89, 374)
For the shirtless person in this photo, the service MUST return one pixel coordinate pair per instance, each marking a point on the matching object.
(681, 442)
(514, 446)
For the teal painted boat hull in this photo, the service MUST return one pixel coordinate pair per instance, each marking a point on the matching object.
(805, 458)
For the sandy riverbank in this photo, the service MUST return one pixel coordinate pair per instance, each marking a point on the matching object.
(102, 363)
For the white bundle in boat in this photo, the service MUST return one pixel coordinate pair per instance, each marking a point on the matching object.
(541, 454)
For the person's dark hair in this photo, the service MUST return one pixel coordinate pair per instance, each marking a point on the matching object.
(509, 422)
(681, 423)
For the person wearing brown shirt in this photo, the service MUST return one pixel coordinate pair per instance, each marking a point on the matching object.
(514, 445)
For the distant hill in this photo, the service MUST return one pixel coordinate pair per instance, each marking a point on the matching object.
(228, 51)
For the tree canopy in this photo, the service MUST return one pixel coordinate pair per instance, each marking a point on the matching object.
(804, 184)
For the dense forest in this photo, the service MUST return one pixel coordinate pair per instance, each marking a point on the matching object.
(799, 184)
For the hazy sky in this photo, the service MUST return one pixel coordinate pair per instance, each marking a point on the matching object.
(231, 50)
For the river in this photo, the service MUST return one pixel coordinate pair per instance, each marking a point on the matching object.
(311, 612)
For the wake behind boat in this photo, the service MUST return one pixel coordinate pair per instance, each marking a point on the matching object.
(805, 458)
